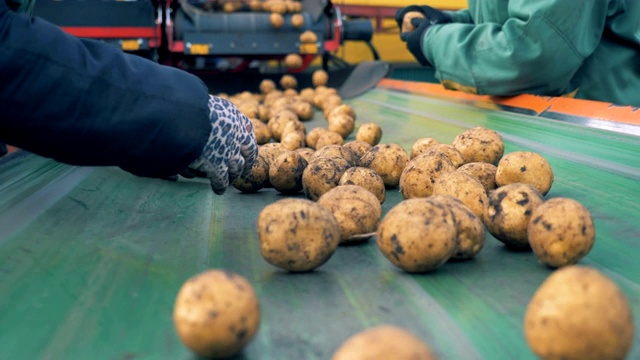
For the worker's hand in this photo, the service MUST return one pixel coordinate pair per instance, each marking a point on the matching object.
(231, 149)
(431, 16)
(416, 38)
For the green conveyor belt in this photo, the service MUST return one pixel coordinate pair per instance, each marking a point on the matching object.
(91, 258)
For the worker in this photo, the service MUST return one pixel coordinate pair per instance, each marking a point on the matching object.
(587, 49)
(83, 102)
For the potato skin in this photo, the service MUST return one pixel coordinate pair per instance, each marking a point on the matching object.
(366, 178)
(418, 177)
(336, 151)
(285, 173)
(383, 342)
(257, 179)
(470, 231)
(322, 175)
(358, 148)
(388, 160)
(561, 232)
(464, 187)
(356, 209)
(418, 235)
(329, 138)
(216, 313)
(525, 167)
(319, 78)
(579, 314)
(297, 235)
(422, 145)
(479, 145)
(371, 133)
(508, 212)
(484, 172)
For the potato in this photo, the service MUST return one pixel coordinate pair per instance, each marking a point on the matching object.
(216, 313)
(276, 20)
(407, 26)
(484, 172)
(356, 209)
(366, 178)
(297, 21)
(343, 109)
(294, 6)
(525, 167)
(561, 232)
(297, 234)
(293, 140)
(278, 7)
(388, 160)
(329, 103)
(261, 131)
(294, 126)
(263, 113)
(319, 78)
(292, 95)
(464, 187)
(336, 151)
(257, 179)
(267, 86)
(288, 82)
(420, 174)
(578, 313)
(470, 232)
(480, 145)
(285, 173)
(270, 151)
(370, 133)
(293, 61)
(384, 342)
(329, 138)
(279, 121)
(304, 110)
(452, 153)
(418, 235)
(508, 212)
(421, 146)
(342, 124)
(308, 37)
(255, 5)
(249, 109)
(306, 153)
(307, 95)
(359, 148)
(321, 175)
(313, 135)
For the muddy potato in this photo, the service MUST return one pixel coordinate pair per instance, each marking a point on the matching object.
(261, 131)
(294, 126)
(407, 26)
(342, 124)
(366, 178)
(578, 313)
(285, 173)
(267, 85)
(484, 172)
(370, 133)
(508, 212)
(276, 20)
(278, 7)
(525, 167)
(288, 82)
(329, 138)
(321, 175)
(255, 5)
(304, 110)
(419, 176)
(263, 113)
(384, 342)
(291, 94)
(336, 151)
(356, 209)
(294, 6)
(293, 61)
(307, 95)
(308, 37)
(418, 235)
(330, 103)
(313, 135)
(470, 232)
(319, 78)
(452, 153)
(249, 109)
(279, 121)
(343, 109)
(216, 313)
(464, 187)
(272, 96)
(293, 140)
(422, 145)
(359, 148)
(306, 153)
(297, 21)
(388, 160)
(271, 151)
(297, 234)
(561, 232)
(257, 179)
(480, 145)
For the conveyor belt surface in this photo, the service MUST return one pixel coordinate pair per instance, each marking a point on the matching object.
(91, 259)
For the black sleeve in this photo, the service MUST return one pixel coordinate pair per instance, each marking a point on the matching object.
(83, 102)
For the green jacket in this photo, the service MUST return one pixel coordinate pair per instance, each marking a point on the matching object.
(586, 48)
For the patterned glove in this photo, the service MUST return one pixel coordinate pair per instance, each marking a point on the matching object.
(231, 149)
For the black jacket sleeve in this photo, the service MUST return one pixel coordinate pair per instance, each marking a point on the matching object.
(83, 102)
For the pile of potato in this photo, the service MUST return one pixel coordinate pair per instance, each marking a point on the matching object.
(452, 195)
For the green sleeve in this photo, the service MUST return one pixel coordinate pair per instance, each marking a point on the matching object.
(460, 16)
(537, 50)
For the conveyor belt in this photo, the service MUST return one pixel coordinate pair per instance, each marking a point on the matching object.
(91, 258)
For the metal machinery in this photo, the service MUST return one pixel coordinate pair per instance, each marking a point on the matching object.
(182, 33)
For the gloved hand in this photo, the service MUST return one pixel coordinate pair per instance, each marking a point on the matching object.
(414, 38)
(231, 149)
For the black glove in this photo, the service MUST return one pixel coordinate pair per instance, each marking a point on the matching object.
(414, 38)
(432, 15)
(231, 149)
